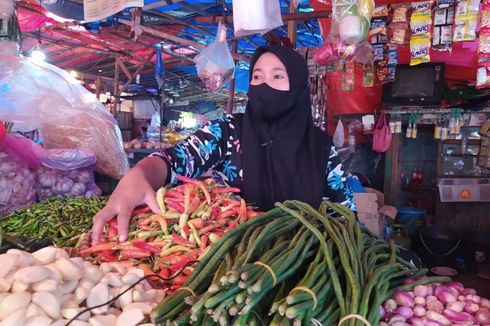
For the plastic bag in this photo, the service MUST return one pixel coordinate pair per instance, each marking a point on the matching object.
(67, 173)
(17, 182)
(154, 130)
(256, 16)
(215, 65)
(338, 136)
(39, 95)
(382, 134)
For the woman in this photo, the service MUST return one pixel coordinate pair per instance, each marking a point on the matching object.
(273, 152)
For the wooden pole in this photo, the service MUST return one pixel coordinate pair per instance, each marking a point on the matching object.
(292, 25)
(116, 85)
(148, 60)
(285, 17)
(392, 171)
(231, 91)
(98, 84)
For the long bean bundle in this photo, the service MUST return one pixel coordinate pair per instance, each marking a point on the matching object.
(294, 265)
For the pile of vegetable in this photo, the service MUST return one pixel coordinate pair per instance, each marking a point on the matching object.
(292, 265)
(17, 184)
(194, 215)
(49, 288)
(436, 305)
(63, 220)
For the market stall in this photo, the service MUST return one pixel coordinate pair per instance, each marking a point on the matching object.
(400, 87)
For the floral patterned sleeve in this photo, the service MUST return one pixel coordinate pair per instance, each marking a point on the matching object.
(337, 188)
(203, 150)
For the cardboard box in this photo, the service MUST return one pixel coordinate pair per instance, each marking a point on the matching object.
(371, 214)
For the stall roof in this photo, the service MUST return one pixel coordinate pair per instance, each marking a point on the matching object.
(91, 49)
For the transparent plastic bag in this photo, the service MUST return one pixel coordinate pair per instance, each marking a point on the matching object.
(215, 65)
(255, 16)
(17, 182)
(39, 95)
(66, 172)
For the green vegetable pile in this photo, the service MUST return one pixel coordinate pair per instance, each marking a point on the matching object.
(62, 220)
(294, 265)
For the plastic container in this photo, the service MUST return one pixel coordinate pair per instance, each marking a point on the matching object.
(412, 218)
(439, 246)
(476, 247)
(464, 190)
(400, 237)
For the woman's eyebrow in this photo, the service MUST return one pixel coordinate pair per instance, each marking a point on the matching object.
(280, 69)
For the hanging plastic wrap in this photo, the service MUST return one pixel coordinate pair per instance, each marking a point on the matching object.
(39, 95)
(256, 16)
(215, 65)
(66, 172)
(350, 25)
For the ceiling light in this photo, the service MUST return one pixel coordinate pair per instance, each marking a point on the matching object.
(100, 70)
(74, 74)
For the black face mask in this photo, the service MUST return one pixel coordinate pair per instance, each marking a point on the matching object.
(269, 104)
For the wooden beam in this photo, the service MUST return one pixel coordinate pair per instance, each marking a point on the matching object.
(177, 39)
(159, 4)
(98, 83)
(285, 17)
(148, 59)
(116, 87)
(392, 171)
(231, 91)
(292, 25)
(123, 67)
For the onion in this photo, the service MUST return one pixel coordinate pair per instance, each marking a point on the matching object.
(405, 312)
(457, 306)
(421, 291)
(445, 297)
(458, 317)
(471, 307)
(402, 298)
(435, 316)
(382, 312)
(483, 316)
(435, 305)
(419, 301)
(390, 305)
(485, 303)
(415, 321)
(456, 285)
(419, 311)
(468, 291)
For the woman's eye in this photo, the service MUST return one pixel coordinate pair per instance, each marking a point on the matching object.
(278, 76)
(256, 77)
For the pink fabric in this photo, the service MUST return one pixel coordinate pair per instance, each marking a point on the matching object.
(30, 21)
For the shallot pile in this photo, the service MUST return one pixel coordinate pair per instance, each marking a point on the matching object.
(435, 305)
(49, 288)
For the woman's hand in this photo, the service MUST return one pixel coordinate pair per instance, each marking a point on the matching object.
(135, 189)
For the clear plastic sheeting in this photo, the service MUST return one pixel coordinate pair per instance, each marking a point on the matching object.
(39, 95)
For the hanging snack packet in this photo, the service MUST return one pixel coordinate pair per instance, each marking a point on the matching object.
(380, 11)
(464, 7)
(378, 33)
(348, 76)
(392, 56)
(419, 50)
(485, 17)
(465, 27)
(381, 72)
(422, 6)
(399, 33)
(379, 51)
(420, 23)
(400, 13)
(442, 32)
(484, 46)
(368, 75)
(483, 77)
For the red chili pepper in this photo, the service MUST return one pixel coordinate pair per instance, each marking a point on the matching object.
(226, 214)
(186, 231)
(145, 246)
(196, 183)
(242, 215)
(226, 190)
(100, 247)
(179, 280)
(179, 262)
(142, 210)
(188, 271)
(106, 256)
(204, 242)
(126, 254)
(222, 221)
(194, 204)
(178, 240)
(215, 212)
(209, 228)
(164, 272)
(232, 225)
(174, 194)
(175, 205)
(198, 223)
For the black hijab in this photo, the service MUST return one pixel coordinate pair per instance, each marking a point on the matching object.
(284, 156)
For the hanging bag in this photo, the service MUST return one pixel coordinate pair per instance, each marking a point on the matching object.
(215, 65)
(256, 16)
(382, 134)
